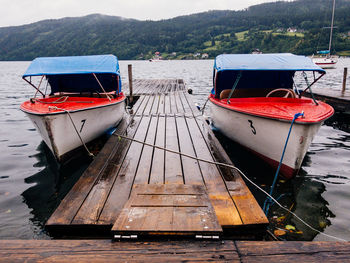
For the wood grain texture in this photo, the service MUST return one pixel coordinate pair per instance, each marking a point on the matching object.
(295, 251)
(106, 251)
(169, 209)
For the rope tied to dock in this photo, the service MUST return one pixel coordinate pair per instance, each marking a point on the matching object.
(120, 136)
(268, 200)
(75, 128)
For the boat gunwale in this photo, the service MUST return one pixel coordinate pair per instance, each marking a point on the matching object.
(297, 121)
(123, 98)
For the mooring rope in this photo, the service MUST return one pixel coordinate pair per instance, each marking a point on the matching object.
(268, 202)
(75, 128)
(231, 167)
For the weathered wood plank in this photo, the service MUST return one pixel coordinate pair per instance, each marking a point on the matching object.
(179, 106)
(161, 107)
(158, 160)
(191, 171)
(92, 206)
(225, 209)
(69, 206)
(120, 191)
(167, 210)
(294, 251)
(155, 106)
(106, 251)
(145, 165)
(167, 106)
(248, 208)
(173, 170)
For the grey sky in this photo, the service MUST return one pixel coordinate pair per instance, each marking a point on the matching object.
(19, 12)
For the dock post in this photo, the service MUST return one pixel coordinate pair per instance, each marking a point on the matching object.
(131, 99)
(344, 81)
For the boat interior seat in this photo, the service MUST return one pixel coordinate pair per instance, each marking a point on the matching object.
(85, 94)
(245, 93)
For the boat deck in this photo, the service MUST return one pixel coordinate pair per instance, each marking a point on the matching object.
(138, 190)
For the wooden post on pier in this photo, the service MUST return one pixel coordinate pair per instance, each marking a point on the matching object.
(131, 99)
(344, 81)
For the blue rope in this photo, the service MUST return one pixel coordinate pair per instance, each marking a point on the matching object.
(268, 200)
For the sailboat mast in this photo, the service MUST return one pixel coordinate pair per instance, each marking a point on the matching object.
(330, 36)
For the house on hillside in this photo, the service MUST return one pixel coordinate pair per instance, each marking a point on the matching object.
(292, 30)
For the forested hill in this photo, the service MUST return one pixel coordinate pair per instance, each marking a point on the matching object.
(262, 26)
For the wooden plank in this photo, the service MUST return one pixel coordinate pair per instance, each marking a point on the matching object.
(120, 191)
(155, 106)
(191, 171)
(91, 208)
(294, 251)
(149, 106)
(142, 105)
(173, 170)
(179, 106)
(161, 107)
(248, 208)
(158, 160)
(106, 251)
(173, 107)
(167, 106)
(184, 102)
(144, 168)
(69, 206)
(225, 209)
(167, 210)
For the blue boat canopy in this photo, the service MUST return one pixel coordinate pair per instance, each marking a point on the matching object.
(259, 71)
(284, 62)
(323, 52)
(75, 73)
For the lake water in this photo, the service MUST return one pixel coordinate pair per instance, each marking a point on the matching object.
(32, 184)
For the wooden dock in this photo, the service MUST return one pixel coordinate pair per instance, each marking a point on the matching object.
(134, 190)
(172, 251)
(340, 102)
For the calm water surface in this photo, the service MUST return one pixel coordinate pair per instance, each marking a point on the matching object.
(32, 184)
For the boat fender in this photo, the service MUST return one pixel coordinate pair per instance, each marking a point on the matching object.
(32, 100)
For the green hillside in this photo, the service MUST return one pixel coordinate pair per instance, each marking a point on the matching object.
(262, 26)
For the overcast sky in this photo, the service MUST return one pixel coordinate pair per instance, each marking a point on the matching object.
(19, 12)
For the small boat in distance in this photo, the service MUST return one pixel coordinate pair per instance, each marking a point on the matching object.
(324, 59)
(254, 102)
(80, 100)
(156, 58)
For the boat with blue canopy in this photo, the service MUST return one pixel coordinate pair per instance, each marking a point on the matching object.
(255, 101)
(77, 99)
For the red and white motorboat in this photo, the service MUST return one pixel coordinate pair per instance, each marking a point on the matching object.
(253, 103)
(84, 99)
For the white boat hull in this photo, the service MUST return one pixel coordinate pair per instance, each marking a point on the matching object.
(58, 131)
(266, 137)
(325, 62)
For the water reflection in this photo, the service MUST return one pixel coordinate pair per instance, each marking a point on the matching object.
(49, 185)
